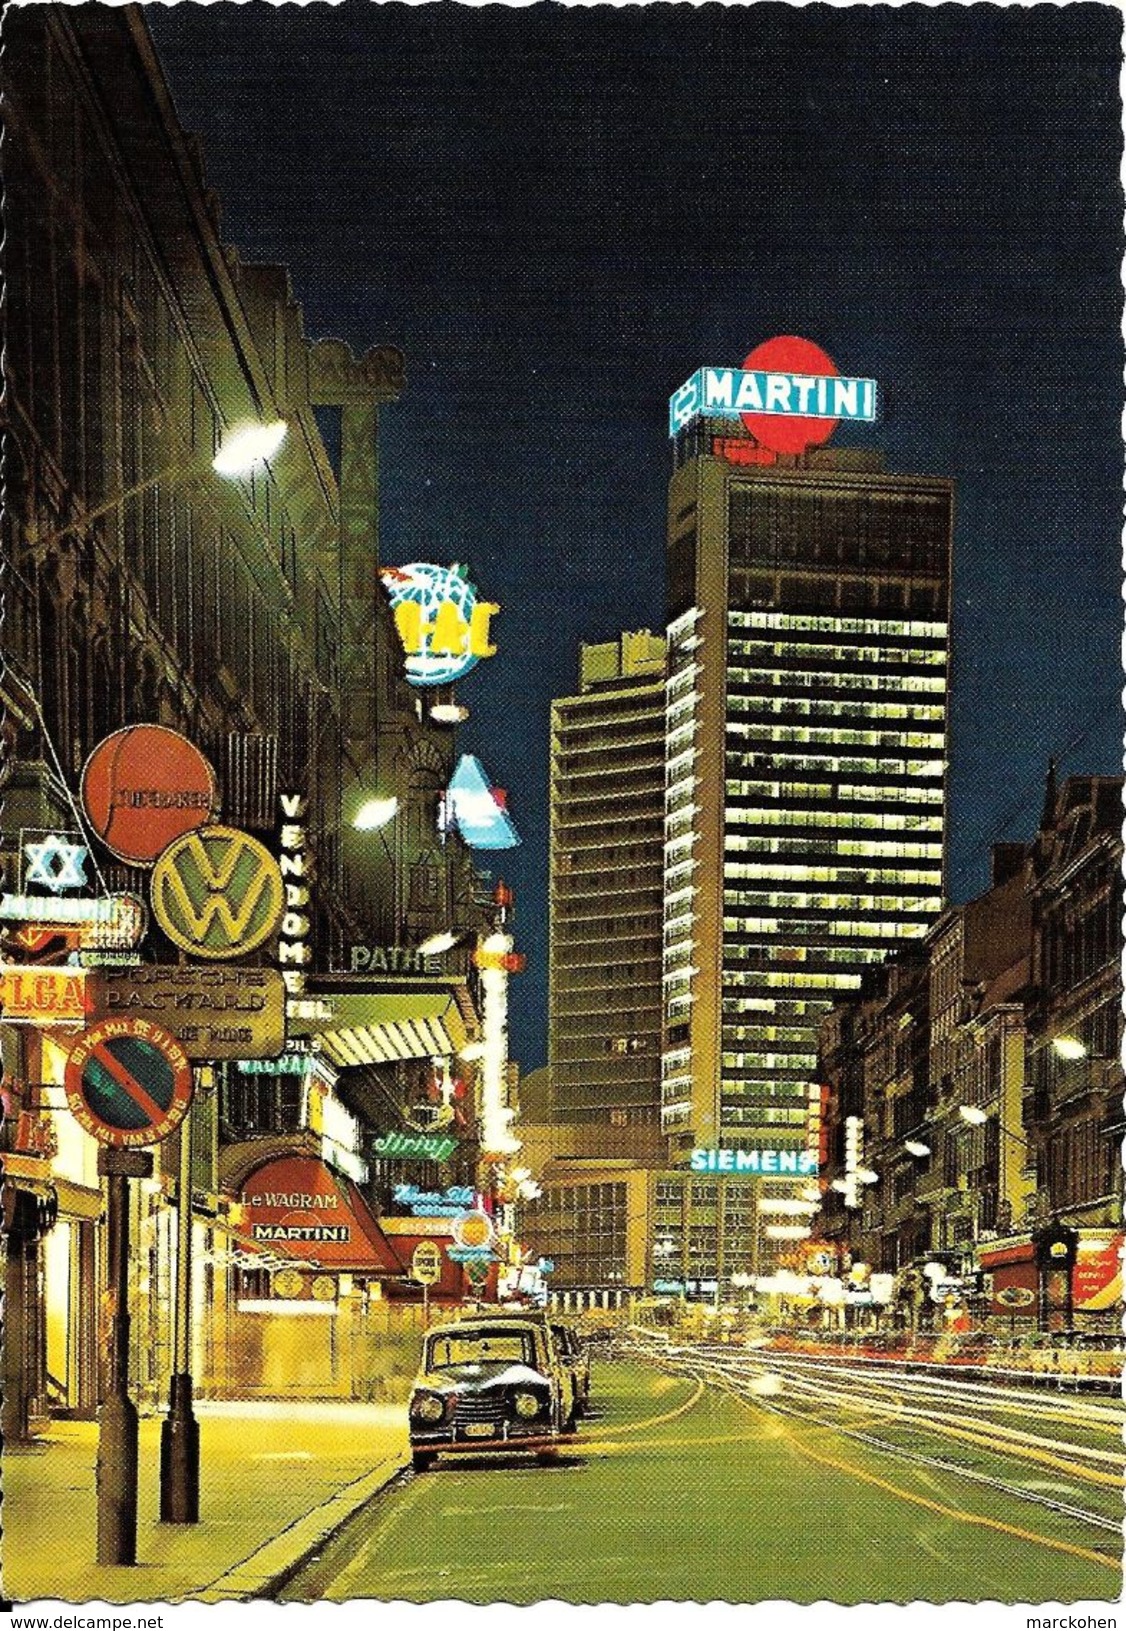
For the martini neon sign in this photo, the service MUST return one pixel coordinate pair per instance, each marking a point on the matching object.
(788, 394)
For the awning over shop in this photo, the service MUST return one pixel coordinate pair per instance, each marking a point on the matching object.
(297, 1208)
(379, 1027)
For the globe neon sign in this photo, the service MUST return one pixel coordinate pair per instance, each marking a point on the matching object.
(442, 624)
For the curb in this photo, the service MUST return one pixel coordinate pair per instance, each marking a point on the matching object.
(268, 1569)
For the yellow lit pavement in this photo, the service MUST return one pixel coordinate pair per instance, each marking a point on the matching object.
(275, 1478)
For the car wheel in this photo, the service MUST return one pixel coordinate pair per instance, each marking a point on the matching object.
(421, 1459)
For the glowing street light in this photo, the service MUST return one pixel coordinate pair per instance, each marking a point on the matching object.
(375, 813)
(1069, 1047)
(788, 1231)
(974, 1114)
(248, 446)
(434, 944)
(915, 1146)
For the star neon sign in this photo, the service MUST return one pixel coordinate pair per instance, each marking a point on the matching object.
(56, 864)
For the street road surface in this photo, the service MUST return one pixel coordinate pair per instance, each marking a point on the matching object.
(749, 1477)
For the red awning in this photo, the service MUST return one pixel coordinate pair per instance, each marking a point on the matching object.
(993, 1257)
(296, 1207)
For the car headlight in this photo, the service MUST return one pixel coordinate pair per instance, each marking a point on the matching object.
(428, 1407)
(528, 1405)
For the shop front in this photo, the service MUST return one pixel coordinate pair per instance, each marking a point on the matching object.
(1059, 1279)
(309, 1271)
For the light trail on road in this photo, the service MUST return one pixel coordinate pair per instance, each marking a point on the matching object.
(684, 1456)
(921, 1405)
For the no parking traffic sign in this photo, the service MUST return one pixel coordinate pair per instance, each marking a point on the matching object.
(128, 1083)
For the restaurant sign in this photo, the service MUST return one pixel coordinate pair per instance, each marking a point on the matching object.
(297, 1205)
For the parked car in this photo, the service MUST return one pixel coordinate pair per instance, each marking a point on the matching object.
(488, 1384)
(572, 1350)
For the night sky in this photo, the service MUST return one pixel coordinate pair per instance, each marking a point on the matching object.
(559, 214)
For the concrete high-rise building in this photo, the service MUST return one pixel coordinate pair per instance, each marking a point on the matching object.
(607, 808)
(805, 761)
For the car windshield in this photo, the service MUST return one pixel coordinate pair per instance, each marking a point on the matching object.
(480, 1347)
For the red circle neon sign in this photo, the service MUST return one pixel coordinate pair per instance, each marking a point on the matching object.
(789, 354)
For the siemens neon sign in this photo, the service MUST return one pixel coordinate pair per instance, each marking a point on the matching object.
(776, 1163)
(728, 393)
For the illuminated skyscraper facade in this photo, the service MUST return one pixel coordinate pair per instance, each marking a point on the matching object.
(806, 721)
(607, 807)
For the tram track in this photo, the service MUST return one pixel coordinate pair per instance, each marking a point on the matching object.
(997, 1455)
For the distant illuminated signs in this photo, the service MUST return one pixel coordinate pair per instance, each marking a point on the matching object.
(776, 1163)
(391, 960)
(476, 809)
(853, 1154)
(42, 996)
(217, 893)
(442, 624)
(787, 393)
(474, 1235)
(416, 1146)
(294, 951)
(145, 786)
(108, 920)
(429, 1203)
(54, 863)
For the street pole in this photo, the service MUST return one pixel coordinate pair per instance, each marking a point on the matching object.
(179, 1431)
(115, 1474)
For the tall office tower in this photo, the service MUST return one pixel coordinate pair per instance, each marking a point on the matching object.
(806, 749)
(607, 809)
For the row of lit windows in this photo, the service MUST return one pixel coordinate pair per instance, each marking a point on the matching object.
(831, 708)
(802, 1035)
(837, 679)
(833, 763)
(850, 955)
(786, 979)
(838, 736)
(864, 791)
(900, 905)
(862, 928)
(855, 848)
(769, 1061)
(776, 817)
(827, 874)
(764, 649)
(771, 1005)
(756, 1116)
(808, 623)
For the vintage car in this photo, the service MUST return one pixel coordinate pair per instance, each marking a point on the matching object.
(572, 1351)
(488, 1384)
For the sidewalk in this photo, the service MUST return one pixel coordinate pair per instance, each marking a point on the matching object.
(276, 1478)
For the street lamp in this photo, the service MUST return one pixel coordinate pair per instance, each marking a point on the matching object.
(915, 1146)
(435, 944)
(247, 446)
(977, 1117)
(375, 813)
(1069, 1047)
